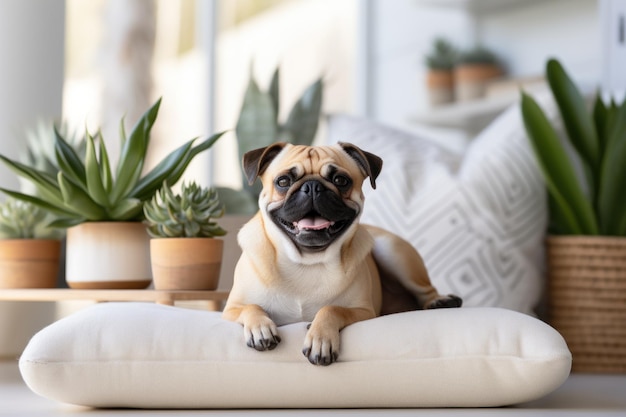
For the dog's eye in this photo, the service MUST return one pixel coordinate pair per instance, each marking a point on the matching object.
(283, 181)
(341, 181)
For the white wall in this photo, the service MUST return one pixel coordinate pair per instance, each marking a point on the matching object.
(524, 35)
(31, 71)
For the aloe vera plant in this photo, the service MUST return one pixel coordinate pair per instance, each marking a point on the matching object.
(258, 126)
(88, 189)
(596, 203)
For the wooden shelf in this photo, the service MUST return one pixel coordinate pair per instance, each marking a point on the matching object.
(157, 296)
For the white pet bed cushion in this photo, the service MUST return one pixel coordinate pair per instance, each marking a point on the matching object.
(152, 356)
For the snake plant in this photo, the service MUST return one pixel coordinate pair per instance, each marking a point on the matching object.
(190, 213)
(88, 189)
(258, 126)
(23, 220)
(593, 203)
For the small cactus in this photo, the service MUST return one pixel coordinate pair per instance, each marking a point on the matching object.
(187, 214)
(23, 220)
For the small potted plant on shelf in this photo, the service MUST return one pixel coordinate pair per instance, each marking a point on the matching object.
(586, 246)
(184, 252)
(440, 77)
(29, 249)
(474, 70)
(107, 245)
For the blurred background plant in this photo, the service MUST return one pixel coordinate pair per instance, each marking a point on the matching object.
(23, 220)
(258, 126)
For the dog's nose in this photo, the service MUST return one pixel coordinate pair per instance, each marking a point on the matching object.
(312, 187)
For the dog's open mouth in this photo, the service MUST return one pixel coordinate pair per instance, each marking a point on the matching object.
(313, 231)
(312, 222)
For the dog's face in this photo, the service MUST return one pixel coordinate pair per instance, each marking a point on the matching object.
(312, 193)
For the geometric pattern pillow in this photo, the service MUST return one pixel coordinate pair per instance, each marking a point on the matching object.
(478, 220)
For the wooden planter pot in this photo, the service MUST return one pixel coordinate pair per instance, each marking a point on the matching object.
(587, 299)
(186, 263)
(471, 80)
(440, 85)
(108, 255)
(29, 263)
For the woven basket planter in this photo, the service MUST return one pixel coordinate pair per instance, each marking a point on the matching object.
(587, 299)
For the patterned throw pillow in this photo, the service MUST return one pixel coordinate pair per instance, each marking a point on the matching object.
(478, 220)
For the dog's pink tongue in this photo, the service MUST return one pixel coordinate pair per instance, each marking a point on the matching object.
(313, 223)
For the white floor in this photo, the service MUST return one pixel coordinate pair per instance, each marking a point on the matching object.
(581, 395)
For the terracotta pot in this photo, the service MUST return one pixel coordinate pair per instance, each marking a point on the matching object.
(440, 84)
(108, 255)
(471, 80)
(587, 299)
(186, 263)
(29, 263)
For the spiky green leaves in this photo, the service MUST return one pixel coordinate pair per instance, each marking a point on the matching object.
(23, 220)
(190, 213)
(259, 126)
(598, 205)
(86, 189)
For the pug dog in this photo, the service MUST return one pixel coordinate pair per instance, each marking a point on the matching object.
(306, 258)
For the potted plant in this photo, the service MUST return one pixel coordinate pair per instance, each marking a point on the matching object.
(29, 250)
(107, 245)
(474, 70)
(586, 248)
(258, 125)
(184, 253)
(440, 77)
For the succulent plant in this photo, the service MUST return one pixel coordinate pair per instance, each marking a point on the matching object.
(443, 55)
(478, 55)
(190, 213)
(87, 190)
(23, 220)
(258, 126)
(593, 203)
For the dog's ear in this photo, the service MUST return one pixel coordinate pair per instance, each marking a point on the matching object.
(255, 162)
(371, 164)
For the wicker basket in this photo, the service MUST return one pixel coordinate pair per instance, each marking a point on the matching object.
(587, 299)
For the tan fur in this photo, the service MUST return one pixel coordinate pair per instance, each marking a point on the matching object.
(364, 273)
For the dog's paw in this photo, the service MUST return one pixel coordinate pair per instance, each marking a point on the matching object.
(321, 346)
(445, 301)
(261, 334)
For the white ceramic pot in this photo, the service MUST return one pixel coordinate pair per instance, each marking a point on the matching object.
(108, 255)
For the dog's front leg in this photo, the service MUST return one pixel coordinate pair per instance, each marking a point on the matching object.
(321, 343)
(259, 330)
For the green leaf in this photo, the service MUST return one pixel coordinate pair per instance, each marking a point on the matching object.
(304, 116)
(133, 154)
(46, 184)
(68, 161)
(172, 167)
(79, 200)
(612, 194)
(128, 209)
(256, 126)
(60, 210)
(68, 222)
(577, 120)
(274, 92)
(105, 166)
(95, 187)
(558, 172)
(600, 119)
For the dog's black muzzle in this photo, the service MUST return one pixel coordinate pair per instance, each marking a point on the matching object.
(314, 216)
